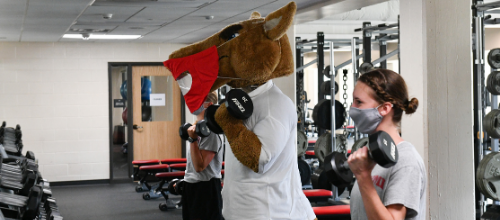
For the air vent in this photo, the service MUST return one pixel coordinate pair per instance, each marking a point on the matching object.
(81, 30)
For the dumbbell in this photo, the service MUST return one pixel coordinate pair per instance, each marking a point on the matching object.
(238, 104)
(201, 130)
(381, 149)
(178, 189)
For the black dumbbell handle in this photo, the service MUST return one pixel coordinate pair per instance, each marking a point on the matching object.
(345, 165)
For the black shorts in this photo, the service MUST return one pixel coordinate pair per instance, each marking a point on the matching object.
(202, 200)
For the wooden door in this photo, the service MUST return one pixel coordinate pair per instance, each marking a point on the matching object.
(157, 139)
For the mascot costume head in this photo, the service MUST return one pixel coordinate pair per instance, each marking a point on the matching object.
(243, 54)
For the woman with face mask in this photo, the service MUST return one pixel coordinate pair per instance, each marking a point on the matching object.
(379, 99)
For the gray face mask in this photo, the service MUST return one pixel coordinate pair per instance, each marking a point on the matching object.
(366, 120)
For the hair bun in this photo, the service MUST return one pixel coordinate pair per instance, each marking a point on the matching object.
(411, 106)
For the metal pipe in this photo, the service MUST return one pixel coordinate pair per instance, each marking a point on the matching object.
(332, 97)
(354, 52)
(487, 6)
(479, 62)
(392, 53)
(342, 65)
(305, 66)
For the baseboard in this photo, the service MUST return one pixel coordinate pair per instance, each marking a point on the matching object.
(80, 182)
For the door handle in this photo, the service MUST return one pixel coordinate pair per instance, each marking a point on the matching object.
(136, 127)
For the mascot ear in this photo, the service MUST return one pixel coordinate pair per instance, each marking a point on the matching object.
(255, 15)
(278, 22)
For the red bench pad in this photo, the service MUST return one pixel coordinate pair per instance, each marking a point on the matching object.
(311, 141)
(178, 165)
(332, 210)
(223, 163)
(145, 162)
(317, 193)
(155, 167)
(174, 160)
(310, 153)
(170, 175)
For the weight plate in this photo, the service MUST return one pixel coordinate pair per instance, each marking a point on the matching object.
(487, 176)
(323, 146)
(305, 172)
(337, 174)
(239, 104)
(210, 119)
(359, 144)
(301, 143)
(326, 87)
(493, 83)
(494, 58)
(383, 149)
(365, 67)
(492, 123)
(322, 114)
(326, 72)
(319, 180)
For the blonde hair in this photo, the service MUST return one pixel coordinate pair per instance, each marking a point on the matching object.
(212, 97)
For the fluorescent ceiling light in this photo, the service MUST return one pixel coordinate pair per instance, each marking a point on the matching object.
(103, 37)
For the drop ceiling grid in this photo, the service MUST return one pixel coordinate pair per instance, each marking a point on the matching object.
(160, 15)
(47, 22)
(120, 14)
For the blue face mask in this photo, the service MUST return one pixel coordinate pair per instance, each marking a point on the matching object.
(366, 120)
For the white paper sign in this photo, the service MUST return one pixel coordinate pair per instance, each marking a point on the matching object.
(157, 99)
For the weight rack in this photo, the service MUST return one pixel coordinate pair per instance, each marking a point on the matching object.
(481, 17)
(387, 32)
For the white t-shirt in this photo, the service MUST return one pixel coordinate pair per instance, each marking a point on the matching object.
(276, 191)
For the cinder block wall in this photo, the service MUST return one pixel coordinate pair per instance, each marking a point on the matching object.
(58, 93)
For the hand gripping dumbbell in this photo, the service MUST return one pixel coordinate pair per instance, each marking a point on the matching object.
(381, 149)
(238, 104)
(176, 186)
(201, 130)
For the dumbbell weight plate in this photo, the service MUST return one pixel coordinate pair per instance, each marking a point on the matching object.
(359, 144)
(305, 171)
(492, 123)
(322, 147)
(301, 143)
(239, 104)
(365, 67)
(338, 176)
(202, 129)
(383, 149)
(494, 63)
(487, 176)
(183, 131)
(493, 83)
(210, 119)
(326, 87)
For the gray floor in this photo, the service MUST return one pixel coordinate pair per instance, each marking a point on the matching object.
(109, 201)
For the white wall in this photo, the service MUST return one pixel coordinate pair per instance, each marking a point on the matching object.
(58, 93)
(436, 62)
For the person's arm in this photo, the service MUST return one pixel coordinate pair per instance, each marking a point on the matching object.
(200, 158)
(362, 167)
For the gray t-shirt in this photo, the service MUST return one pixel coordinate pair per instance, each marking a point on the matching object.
(210, 143)
(404, 183)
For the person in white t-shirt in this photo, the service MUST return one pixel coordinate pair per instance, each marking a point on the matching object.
(273, 189)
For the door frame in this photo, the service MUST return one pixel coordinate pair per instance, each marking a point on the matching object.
(130, 134)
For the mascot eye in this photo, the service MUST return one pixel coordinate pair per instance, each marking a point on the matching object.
(233, 36)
